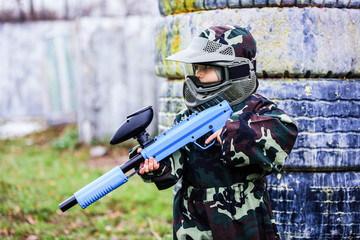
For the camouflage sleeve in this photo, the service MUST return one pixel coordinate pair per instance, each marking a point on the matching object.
(170, 170)
(259, 139)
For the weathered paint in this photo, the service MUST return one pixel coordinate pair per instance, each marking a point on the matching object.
(165, 7)
(328, 124)
(354, 3)
(291, 42)
(95, 71)
(171, 68)
(326, 158)
(178, 4)
(170, 103)
(328, 140)
(340, 108)
(211, 4)
(118, 73)
(316, 205)
(35, 10)
(160, 44)
(233, 3)
(60, 75)
(193, 5)
(169, 7)
(260, 3)
(328, 118)
(247, 3)
(308, 204)
(307, 89)
(37, 76)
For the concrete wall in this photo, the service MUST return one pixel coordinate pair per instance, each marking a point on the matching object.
(85, 61)
(117, 72)
(37, 70)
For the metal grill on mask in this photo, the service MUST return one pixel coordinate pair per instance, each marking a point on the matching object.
(234, 93)
(188, 96)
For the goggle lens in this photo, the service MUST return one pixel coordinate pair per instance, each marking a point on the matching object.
(197, 69)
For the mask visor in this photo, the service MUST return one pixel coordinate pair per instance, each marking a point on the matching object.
(194, 70)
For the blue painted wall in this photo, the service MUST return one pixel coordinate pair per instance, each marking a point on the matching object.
(317, 195)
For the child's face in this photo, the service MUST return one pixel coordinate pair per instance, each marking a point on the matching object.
(206, 74)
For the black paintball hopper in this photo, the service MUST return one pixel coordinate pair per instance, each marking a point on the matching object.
(135, 127)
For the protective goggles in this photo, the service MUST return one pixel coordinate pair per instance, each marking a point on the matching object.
(236, 70)
(199, 69)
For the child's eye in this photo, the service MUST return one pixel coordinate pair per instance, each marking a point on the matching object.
(199, 67)
(205, 67)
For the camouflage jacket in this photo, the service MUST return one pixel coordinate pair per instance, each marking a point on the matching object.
(255, 142)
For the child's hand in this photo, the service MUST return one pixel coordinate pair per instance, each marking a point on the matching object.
(213, 136)
(148, 165)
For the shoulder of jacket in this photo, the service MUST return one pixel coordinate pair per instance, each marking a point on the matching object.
(254, 103)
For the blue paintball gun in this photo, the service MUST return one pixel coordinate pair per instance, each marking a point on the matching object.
(188, 130)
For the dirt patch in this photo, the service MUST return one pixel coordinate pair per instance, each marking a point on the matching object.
(49, 134)
(107, 161)
(115, 156)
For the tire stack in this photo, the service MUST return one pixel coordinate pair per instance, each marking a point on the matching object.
(308, 62)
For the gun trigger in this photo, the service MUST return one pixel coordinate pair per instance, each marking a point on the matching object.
(204, 148)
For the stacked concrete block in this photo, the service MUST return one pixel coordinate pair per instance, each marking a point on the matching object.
(289, 42)
(317, 196)
(168, 7)
(308, 63)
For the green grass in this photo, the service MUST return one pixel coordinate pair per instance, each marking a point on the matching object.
(35, 176)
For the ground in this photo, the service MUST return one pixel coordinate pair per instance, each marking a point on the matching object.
(40, 170)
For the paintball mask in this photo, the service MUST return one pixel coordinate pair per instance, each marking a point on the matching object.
(236, 83)
(230, 51)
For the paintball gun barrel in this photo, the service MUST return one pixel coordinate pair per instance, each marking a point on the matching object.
(188, 130)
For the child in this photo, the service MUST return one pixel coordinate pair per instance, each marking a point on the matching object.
(223, 194)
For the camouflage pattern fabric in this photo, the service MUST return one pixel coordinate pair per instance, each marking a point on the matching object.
(238, 37)
(224, 192)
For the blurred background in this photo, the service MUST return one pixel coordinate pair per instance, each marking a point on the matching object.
(72, 70)
(90, 62)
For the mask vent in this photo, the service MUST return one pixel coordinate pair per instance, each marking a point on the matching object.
(232, 94)
(187, 95)
(248, 85)
(227, 51)
(212, 46)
